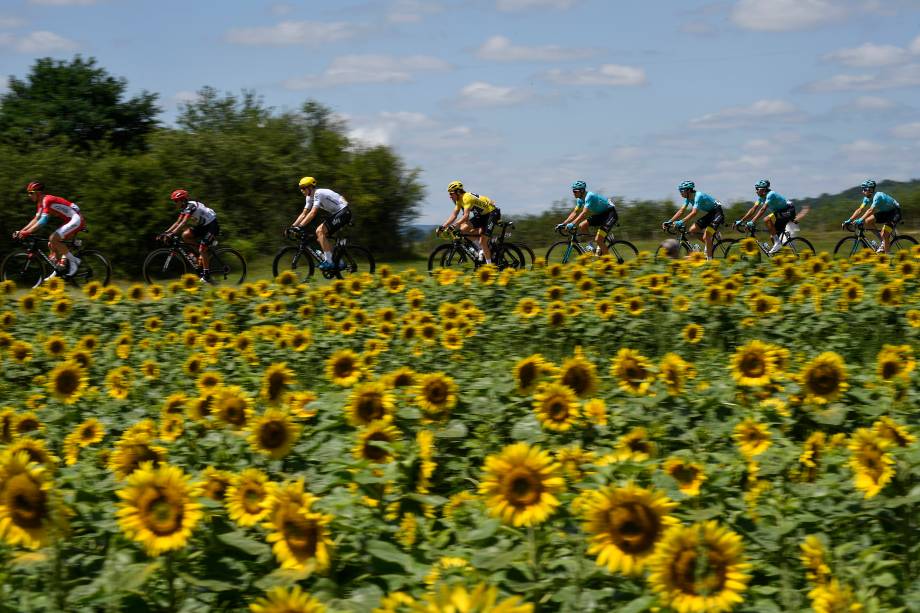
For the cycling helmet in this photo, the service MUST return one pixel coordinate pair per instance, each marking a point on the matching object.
(307, 182)
(579, 185)
(35, 186)
(762, 184)
(686, 185)
(179, 194)
(454, 186)
(868, 184)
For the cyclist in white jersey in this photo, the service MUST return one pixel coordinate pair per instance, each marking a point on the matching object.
(203, 228)
(335, 214)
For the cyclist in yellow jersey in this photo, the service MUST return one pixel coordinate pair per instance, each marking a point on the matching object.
(479, 215)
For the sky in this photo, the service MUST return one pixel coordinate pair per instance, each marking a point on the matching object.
(518, 98)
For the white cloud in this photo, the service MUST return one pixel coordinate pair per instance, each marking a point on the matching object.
(743, 163)
(11, 22)
(293, 33)
(351, 69)
(869, 56)
(64, 2)
(914, 46)
(412, 11)
(185, 97)
(481, 94)
(872, 103)
(907, 131)
(861, 147)
(742, 115)
(606, 74)
(501, 49)
(784, 15)
(903, 76)
(524, 5)
(37, 42)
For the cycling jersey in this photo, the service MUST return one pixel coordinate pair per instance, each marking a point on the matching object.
(199, 213)
(774, 202)
(703, 202)
(57, 207)
(479, 203)
(882, 202)
(595, 203)
(326, 200)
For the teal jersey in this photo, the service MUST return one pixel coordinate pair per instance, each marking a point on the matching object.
(882, 202)
(595, 203)
(774, 202)
(703, 202)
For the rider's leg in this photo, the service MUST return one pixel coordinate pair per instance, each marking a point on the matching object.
(484, 245)
(770, 221)
(708, 235)
(600, 239)
(322, 235)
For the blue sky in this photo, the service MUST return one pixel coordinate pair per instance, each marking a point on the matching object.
(518, 98)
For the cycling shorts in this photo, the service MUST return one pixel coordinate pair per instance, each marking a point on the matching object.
(206, 233)
(69, 230)
(713, 219)
(485, 222)
(783, 217)
(337, 221)
(604, 220)
(888, 218)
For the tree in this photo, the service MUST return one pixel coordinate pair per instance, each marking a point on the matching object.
(78, 103)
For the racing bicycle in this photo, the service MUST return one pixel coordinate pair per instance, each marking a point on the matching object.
(226, 265)
(564, 251)
(463, 253)
(30, 266)
(687, 246)
(306, 257)
(792, 245)
(848, 245)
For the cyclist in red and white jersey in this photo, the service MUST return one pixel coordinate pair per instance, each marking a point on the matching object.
(335, 215)
(203, 228)
(46, 207)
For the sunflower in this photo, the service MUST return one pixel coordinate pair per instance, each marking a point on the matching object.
(674, 372)
(172, 426)
(824, 378)
(28, 303)
(633, 370)
(810, 457)
(287, 600)
(596, 411)
(457, 599)
(89, 432)
(25, 501)
(521, 484)
(895, 362)
(158, 508)
(578, 374)
(625, 524)
(426, 464)
(436, 394)
(273, 433)
(834, 597)
(452, 340)
(276, 382)
(893, 432)
(215, 483)
(369, 402)
(21, 351)
(28, 422)
(208, 381)
(527, 308)
(245, 496)
(814, 559)
(573, 459)
(298, 403)
(36, 449)
(913, 318)
(150, 369)
(753, 364)
(137, 292)
(556, 407)
(344, 368)
(299, 534)
(890, 293)
(55, 346)
(752, 437)
(382, 431)
(688, 475)
(394, 284)
(529, 371)
(131, 451)
(699, 568)
(872, 466)
(67, 381)
(635, 445)
(634, 305)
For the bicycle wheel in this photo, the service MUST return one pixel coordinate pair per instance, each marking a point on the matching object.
(23, 269)
(902, 243)
(847, 247)
(796, 247)
(720, 248)
(164, 265)
(745, 250)
(227, 267)
(684, 250)
(509, 256)
(352, 259)
(527, 251)
(295, 260)
(561, 253)
(93, 267)
(623, 251)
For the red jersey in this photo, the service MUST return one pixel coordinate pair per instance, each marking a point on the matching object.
(58, 207)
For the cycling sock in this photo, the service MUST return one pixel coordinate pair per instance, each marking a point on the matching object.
(328, 255)
(488, 260)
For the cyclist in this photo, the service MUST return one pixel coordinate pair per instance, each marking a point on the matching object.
(479, 216)
(781, 213)
(203, 228)
(603, 215)
(47, 206)
(335, 215)
(880, 207)
(694, 202)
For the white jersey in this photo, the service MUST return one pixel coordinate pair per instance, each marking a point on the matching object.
(201, 214)
(326, 200)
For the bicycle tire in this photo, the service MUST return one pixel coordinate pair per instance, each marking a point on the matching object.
(26, 271)
(164, 265)
(293, 259)
(901, 243)
(448, 256)
(558, 252)
(93, 267)
(720, 248)
(848, 251)
(526, 251)
(797, 245)
(736, 248)
(683, 250)
(623, 251)
(353, 259)
(509, 256)
(228, 266)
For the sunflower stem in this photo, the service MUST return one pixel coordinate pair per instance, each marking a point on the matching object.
(171, 582)
(534, 558)
(60, 599)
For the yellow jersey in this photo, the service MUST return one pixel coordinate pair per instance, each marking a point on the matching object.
(482, 204)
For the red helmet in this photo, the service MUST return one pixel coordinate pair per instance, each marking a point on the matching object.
(35, 186)
(179, 194)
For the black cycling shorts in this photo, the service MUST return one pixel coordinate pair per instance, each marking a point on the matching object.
(714, 219)
(206, 233)
(338, 221)
(486, 222)
(888, 218)
(604, 220)
(782, 217)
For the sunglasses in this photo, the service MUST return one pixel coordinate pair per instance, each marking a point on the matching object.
(30, 193)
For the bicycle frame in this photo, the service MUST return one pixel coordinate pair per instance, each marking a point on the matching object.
(31, 246)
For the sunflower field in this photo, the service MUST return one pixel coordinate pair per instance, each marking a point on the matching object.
(687, 436)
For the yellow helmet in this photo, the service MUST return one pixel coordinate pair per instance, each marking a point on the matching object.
(455, 186)
(307, 182)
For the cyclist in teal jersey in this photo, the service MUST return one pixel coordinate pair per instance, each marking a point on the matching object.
(603, 214)
(694, 202)
(781, 212)
(877, 207)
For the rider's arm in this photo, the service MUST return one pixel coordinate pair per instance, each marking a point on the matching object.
(679, 212)
(859, 213)
(174, 229)
(36, 222)
(571, 216)
(453, 216)
(582, 213)
(309, 216)
(466, 215)
(759, 210)
(690, 215)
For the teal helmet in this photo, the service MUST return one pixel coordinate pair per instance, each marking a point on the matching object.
(762, 184)
(868, 184)
(686, 185)
(579, 185)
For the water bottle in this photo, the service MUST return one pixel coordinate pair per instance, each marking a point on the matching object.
(874, 243)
